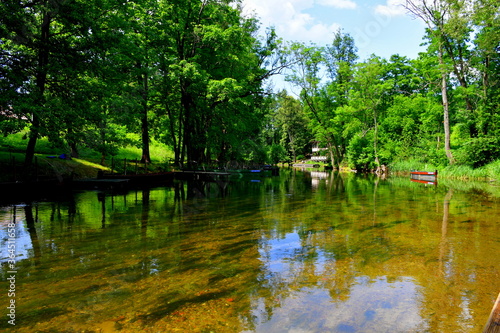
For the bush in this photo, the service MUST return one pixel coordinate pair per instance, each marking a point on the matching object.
(478, 152)
(250, 152)
(360, 154)
(277, 153)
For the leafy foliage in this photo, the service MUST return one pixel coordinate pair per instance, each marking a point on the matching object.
(479, 151)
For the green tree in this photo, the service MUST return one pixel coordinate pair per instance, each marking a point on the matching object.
(45, 50)
(292, 122)
(340, 58)
(214, 69)
(371, 97)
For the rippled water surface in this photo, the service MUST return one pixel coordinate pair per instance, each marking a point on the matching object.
(297, 253)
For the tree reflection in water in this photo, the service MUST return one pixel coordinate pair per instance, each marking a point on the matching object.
(333, 253)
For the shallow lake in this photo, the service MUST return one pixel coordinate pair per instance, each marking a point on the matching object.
(303, 252)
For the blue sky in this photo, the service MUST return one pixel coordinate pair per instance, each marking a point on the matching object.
(382, 27)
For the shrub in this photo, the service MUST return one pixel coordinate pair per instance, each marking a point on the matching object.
(277, 153)
(479, 151)
(360, 154)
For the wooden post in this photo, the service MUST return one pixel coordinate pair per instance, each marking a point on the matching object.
(493, 324)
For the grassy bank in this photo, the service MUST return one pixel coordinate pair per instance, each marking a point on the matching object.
(488, 172)
(12, 168)
(12, 149)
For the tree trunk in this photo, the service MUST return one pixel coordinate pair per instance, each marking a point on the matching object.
(375, 139)
(292, 146)
(459, 69)
(73, 148)
(144, 82)
(41, 79)
(332, 154)
(146, 158)
(186, 124)
(446, 117)
(30, 148)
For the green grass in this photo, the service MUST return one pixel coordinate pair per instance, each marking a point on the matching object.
(17, 143)
(493, 170)
(159, 153)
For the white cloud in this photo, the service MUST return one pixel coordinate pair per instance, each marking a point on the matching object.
(291, 19)
(392, 8)
(376, 29)
(320, 34)
(342, 4)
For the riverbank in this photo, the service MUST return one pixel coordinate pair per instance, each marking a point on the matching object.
(489, 172)
(46, 166)
(12, 148)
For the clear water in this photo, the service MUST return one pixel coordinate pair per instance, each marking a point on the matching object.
(297, 253)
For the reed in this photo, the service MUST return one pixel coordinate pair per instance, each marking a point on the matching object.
(463, 172)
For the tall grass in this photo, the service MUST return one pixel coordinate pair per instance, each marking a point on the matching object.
(463, 172)
(411, 164)
(493, 170)
(490, 171)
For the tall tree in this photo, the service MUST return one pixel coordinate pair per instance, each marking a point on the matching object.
(324, 101)
(435, 14)
(486, 60)
(340, 58)
(306, 74)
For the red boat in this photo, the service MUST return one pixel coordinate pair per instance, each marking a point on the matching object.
(425, 177)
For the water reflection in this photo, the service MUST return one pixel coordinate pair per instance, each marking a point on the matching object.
(25, 240)
(337, 254)
(373, 306)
